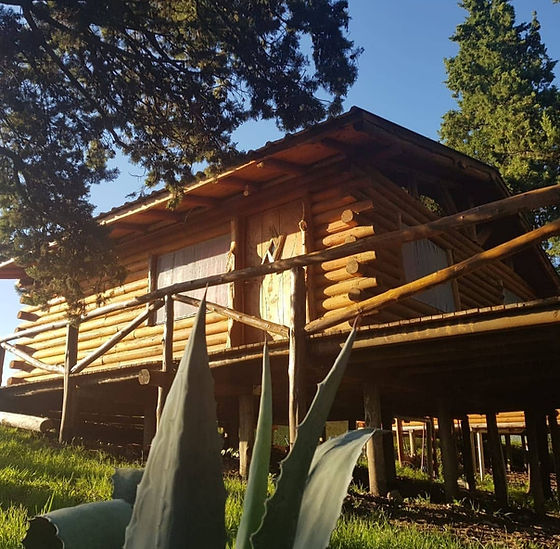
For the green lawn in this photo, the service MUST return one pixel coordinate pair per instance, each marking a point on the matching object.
(37, 474)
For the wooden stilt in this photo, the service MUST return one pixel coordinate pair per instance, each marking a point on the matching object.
(535, 478)
(167, 364)
(468, 461)
(400, 441)
(412, 442)
(480, 455)
(497, 459)
(525, 448)
(473, 454)
(448, 452)
(2, 358)
(377, 469)
(149, 419)
(507, 439)
(297, 351)
(388, 446)
(555, 439)
(246, 433)
(544, 455)
(69, 404)
(430, 448)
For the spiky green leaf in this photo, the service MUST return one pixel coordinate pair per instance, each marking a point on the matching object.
(327, 484)
(98, 525)
(278, 529)
(255, 496)
(125, 483)
(180, 501)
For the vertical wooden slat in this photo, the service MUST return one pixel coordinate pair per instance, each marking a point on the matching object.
(480, 454)
(400, 442)
(152, 284)
(167, 363)
(430, 447)
(544, 456)
(497, 458)
(412, 442)
(468, 461)
(2, 359)
(246, 433)
(235, 261)
(535, 473)
(555, 439)
(377, 469)
(69, 404)
(297, 351)
(448, 451)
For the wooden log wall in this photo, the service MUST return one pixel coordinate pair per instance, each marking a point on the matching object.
(373, 205)
(144, 344)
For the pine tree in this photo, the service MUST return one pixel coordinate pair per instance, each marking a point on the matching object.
(165, 82)
(508, 111)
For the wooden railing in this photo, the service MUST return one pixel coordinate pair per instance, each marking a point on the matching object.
(297, 331)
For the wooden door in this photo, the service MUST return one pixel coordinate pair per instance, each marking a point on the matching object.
(272, 234)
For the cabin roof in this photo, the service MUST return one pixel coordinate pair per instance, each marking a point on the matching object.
(345, 137)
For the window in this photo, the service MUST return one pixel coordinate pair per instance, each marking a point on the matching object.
(421, 258)
(195, 261)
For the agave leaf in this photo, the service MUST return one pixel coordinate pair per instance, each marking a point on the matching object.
(255, 495)
(327, 484)
(278, 529)
(125, 483)
(181, 498)
(98, 525)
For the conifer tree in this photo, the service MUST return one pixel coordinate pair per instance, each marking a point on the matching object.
(166, 83)
(508, 111)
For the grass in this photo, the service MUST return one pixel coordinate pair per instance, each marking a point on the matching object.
(37, 475)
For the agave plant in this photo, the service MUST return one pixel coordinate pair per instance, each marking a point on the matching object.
(178, 501)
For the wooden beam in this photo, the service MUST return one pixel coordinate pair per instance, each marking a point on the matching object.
(377, 468)
(535, 471)
(297, 357)
(283, 166)
(448, 451)
(544, 456)
(480, 455)
(165, 215)
(154, 378)
(430, 454)
(22, 421)
(102, 349)
(400, 441)
(20, 364)
(248, 187)
(265, 325)
(497, 459)
(468, 462)
(246, 433)
(149, 431)
(26, 315)
(197, 200)
(555, 440)
(462, 268)
(127, 226)
(69, 404)
(54, 368)
(167, 363)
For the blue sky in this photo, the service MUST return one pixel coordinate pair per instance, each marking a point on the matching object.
(401, 78)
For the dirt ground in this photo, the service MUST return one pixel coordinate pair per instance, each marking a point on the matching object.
(473, 518)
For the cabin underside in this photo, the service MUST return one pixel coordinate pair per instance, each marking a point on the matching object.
(498, 359)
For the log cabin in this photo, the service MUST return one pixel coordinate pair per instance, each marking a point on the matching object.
(458, 303)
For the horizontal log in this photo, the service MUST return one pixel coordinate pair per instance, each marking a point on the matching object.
(27, 316)
(21, 365)
(350, 284)
(340, 237)
(155, 378)
(408, 290)
(29, 423)
(336, 212)
(337, 200)
(342, 262)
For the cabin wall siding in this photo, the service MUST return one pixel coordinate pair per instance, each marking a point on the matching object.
(381, 206)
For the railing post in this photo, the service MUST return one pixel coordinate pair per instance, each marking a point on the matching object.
(69, 404)
(2, 358)
(297, 351)
(167, 362)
